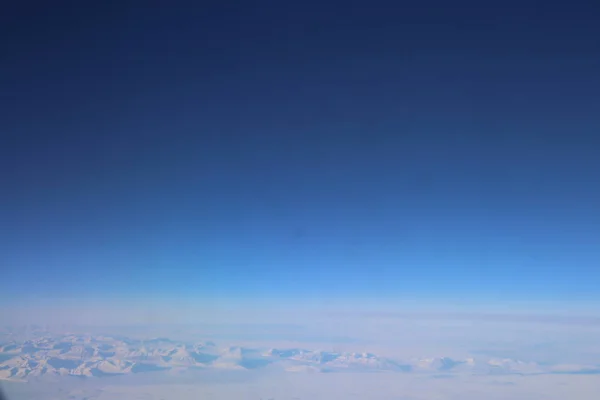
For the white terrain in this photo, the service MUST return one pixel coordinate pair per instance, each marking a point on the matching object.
(87, 355)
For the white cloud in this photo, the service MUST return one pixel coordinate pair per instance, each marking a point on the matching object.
(567, 340)
(306, 386)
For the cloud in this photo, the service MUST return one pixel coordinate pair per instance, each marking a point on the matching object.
(569, 320)
(304, 386)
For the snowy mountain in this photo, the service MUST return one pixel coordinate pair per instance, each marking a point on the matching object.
(98, 356)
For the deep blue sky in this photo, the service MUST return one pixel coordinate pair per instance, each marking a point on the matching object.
(436, 149)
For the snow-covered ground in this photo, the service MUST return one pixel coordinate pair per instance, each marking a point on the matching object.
(100, 356)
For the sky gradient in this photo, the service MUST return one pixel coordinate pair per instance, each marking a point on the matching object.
(273, 151)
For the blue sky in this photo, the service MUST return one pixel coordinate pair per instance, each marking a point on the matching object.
(310, 152)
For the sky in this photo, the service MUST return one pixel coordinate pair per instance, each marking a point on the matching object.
(278, 152)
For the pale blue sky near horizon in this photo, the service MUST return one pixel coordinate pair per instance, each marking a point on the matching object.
(369, 159)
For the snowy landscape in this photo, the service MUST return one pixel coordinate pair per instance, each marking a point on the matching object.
(96, 356)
